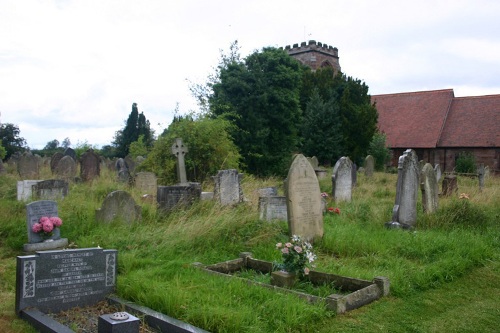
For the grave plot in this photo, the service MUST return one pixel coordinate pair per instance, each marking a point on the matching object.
(354, 293)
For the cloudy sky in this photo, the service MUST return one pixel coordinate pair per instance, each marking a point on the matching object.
(73, 68)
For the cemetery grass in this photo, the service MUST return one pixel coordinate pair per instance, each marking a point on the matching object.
(444, 276)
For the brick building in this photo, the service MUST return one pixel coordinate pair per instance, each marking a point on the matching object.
(315, 55)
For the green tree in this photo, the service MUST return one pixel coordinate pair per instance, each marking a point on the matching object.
(135, 125)
(66, 143)
(3, 152)
(138, 148)
(380, 152)
(465, 163)
(260, 95)
(10, 139)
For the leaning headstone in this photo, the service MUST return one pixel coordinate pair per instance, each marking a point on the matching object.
(25, 189)
(437, 171)
(54, 160)
(70, 152)
(430, 189)
(272, 208)
(54, 281)
(51, 189)
(369, 166)
(303, 195)
(449, 185)
(89, 165)
(119, 205)
(227, 189)
(342, 180)
(146, 182)
(268, 191)
(480, 176)
(27, 166)
(404, 212)
(172, 197)
(66, 168)
(179, 149)
(36, 241)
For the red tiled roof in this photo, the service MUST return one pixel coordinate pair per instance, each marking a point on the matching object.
(472, 122)
(413, 119)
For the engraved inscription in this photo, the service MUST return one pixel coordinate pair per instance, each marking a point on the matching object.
(29, 279)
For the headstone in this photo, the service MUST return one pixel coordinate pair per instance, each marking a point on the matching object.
(25, 189)
(51, 189)
(66, 168)
(54, 281)
(342, 180)
(314, 162)
(121, 164)
(404, 212)
(321, 173)
(268, 191)
(71, 153)
(207, 196)
(119, 205)
(34, 211)
(124, 176)
(171, 197)
(131, 164)
(486, 172)
(179, 150)
(28, 166)
(449, 185)
(303, 195)
(89, 165)
(146, 182)
(430, 189)
(480, 176)
(54, 160)
(437, 171)
(369, 166)
(227, 190)
(272, 208)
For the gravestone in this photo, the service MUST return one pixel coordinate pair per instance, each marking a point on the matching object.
(369, 166)
(314, 162)
(146, 182)
(131, 164)
(54, 281)
(124, 176)
(268, 191)
(404, 212)
(272, 208)
(27, 167)
(342, 180)
(119, 205)
(227, 189)
(66, 168)
(71, 153)
(430, 189)
(449, 185)
(487, 172)
(54, 160)
(480, 176)
(179, 150)
(51, 189)
(171, 197)
(89, 165)
(437, 171)
(25, 189)
(303, 198)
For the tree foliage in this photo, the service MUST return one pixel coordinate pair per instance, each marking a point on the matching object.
(11, 139)
(135, 125)
(380, 152)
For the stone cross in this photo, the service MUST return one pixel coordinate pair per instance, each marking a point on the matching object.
(179, 150)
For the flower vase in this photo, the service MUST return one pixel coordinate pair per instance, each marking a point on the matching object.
(283, 279)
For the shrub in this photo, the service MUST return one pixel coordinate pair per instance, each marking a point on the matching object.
(465, 163)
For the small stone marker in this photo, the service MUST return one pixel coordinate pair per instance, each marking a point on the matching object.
(268, 191)
(303, 195)
(342, 178)
(28, 166)
(90, 165)
(119, 205)
(404, 213)
(272, 208)
(119, 322)
(25, 189)
(170, 197)
(449, 185)
(53, 281)
(369, 166)
(146, 182)
(227, 189)
(51, 189)
(66, 168)
(179, 150)
(430, 189)
(54, 160)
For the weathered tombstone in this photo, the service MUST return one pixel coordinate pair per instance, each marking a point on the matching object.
(437, 171)
(303, 195)
(146, 182)
(27, 167)
(268, 191)
(34, 211)
(449, 185)
(54, 160)
(179, 150)
(25, 189)
(171, 197)
(53, 281)
(119, 205)
(227, 189)
(321, 173)
(272, 208)
(89, 165)
(369, 166)
(430, 189)
(480, 176)
(314, 162)
(66, 168)
(207, 196)
(342, 180)
(70, 152)
(51, 189)
(131, 164)
(486, 172)
(404, 212)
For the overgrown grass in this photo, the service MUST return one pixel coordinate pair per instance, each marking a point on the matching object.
(450, 247)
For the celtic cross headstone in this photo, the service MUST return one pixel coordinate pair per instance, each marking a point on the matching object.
(179, 149)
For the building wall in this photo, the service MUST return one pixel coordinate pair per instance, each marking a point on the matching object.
(315, 55)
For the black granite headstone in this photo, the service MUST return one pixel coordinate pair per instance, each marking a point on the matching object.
(170, 197)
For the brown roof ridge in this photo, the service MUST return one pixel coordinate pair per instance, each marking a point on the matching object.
(417, 92)
(445, 119)
(479, 96)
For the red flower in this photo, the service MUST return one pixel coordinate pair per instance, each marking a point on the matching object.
(334, 210)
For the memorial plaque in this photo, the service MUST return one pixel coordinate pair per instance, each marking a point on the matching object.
(34, 211)
(53, 281)
(272, 208)
(170, 197)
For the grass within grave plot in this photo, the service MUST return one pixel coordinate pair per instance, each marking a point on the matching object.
(339, 293)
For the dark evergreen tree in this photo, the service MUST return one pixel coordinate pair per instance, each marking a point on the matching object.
(11, 141)
(135, 125)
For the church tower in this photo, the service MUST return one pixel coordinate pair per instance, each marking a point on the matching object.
(315, 55)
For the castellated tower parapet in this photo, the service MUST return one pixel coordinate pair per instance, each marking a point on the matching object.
(315, 55)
